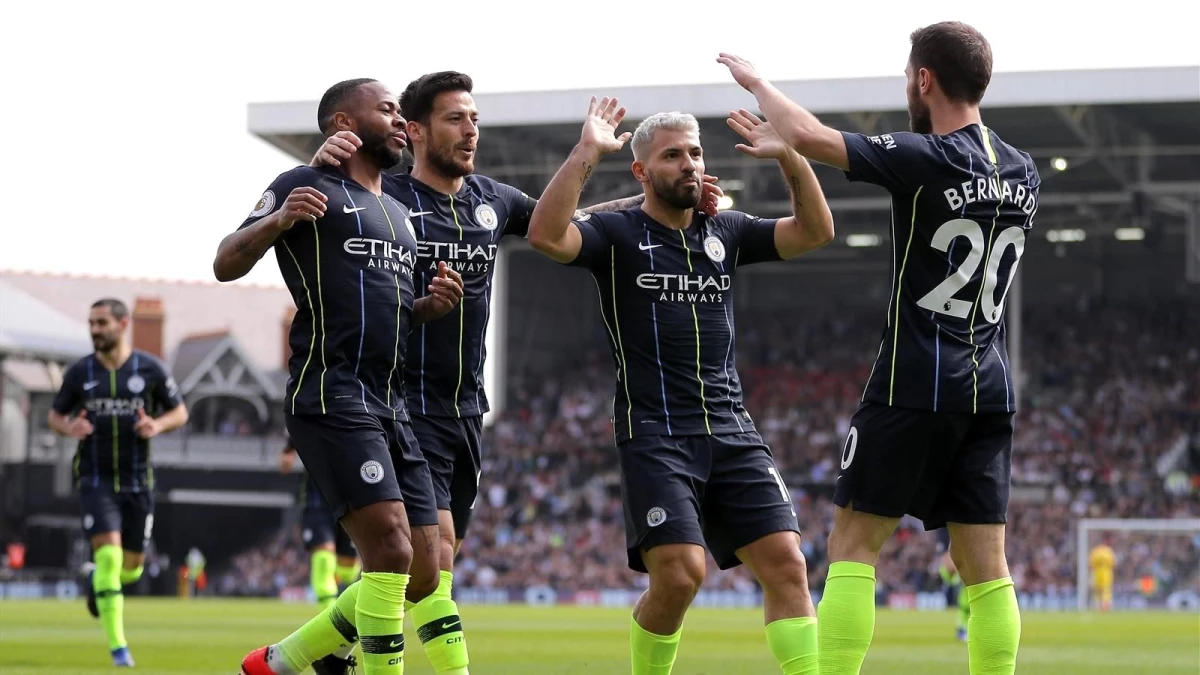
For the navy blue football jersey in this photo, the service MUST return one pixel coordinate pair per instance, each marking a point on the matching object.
(962, 205)
(114, 457)
(352, 277)
(666, 297)
(444, 377)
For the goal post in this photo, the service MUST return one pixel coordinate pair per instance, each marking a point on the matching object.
(1087, 526)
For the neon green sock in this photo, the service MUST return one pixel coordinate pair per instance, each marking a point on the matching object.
(964, 608)
(994, 629)
(652, 654)
(106, 581)
(441, 629)
(379, 615)
(324, 584)
(347, 574)
(130, 576)
(794, 644)
(330, 632)
(847, 618)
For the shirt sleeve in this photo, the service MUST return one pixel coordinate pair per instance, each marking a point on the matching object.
(755, 238)
(166, 391)
(277, 192)
(901, 162)
(594, 250)
(70, 394)
(519, 207)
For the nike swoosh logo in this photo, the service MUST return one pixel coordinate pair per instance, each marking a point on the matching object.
(394, 644)
(647, 247)
(90, 385)
(347, 209)
(447, 626)
(420, 213)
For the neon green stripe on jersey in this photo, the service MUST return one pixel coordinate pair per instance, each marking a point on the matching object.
(621, 347)
(912, 226)
(321, 303)
(462, 317)
(312, 340)
(991, 153)
(696, 323)
(399, 308)
(112, 388)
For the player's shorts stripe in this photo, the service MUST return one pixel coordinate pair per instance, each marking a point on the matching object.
(912, 227)
(696, 323)
(362, 303)
(116, 443)
(312, 341)
(399, 308)
(991, 152)
(621, 347)
(462, 319)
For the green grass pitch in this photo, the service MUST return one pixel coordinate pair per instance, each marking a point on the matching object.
(204, 637)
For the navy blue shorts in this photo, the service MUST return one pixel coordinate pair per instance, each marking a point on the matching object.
(320, 529)
(452, 447)
(722, 492)
(940, 467)
(130, 513)
(359, 459)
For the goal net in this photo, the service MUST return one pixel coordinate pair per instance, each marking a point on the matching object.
(1156, 563)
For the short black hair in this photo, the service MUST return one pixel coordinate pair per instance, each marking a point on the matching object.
(334, 98)
(119, 309)
(959, 56)
(416, 103)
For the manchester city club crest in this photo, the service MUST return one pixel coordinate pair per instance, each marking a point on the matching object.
(714, 248)
(485, 215)
(136, 384)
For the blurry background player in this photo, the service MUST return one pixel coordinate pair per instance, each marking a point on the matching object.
(1102, 560)
(351, 270)
(333, 562)
(933, 434)
(460, 217)
(114, 401)
(694, 471)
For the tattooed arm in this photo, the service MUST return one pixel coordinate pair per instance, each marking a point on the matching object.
(551, 231)
(550, 228)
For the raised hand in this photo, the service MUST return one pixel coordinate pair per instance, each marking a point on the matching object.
(336, 148)
(79, 427)
(764, 143)
(742, 70)
(600, 127)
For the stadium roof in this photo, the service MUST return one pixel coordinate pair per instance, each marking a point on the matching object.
(32, 329)
(1121, 132)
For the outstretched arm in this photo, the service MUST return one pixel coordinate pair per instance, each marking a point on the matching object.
(796, 126)
(550, 228)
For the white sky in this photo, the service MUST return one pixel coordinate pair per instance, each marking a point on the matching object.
(125, 123)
